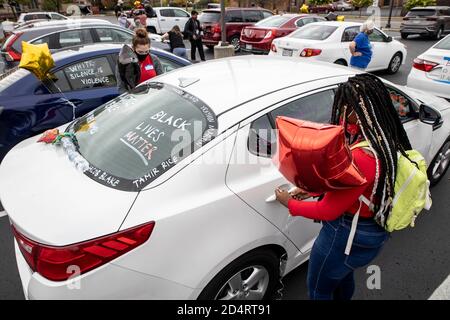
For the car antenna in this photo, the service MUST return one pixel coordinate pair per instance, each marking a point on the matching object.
(186, 82)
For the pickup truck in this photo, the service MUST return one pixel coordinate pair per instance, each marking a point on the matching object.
(165, 19)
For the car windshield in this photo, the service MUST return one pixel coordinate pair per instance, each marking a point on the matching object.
(209, 17)
(138, 136)
(314, 32)
(444, 44)
(273, 22)
(421, 13)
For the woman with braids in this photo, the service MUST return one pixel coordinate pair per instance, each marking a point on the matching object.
(363, 106)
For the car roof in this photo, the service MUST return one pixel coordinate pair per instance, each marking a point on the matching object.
(338, 23)
(57, 23)
(236, 8)
(431, 7)
(225, 83)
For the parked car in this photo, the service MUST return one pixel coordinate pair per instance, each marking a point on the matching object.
(67, 35)
(166, 18)
(235, 18)
(431, 70)
(322, 8)
(343, 6)
(29, 106)
(24, 17)
(426, 21)
(258, 38)
(329, 42)
(131, 234)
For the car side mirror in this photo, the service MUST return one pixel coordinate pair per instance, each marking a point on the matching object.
(389, 39)
(430, 116)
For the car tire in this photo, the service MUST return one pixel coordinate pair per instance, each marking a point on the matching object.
(404, 36)
(235, 42)
(341, 62)
(440, 164)
(439, 33)
(151, 30)
(263, 261)
(210, 47)
(395, 63)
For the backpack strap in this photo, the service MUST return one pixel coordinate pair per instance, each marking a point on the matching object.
(351, 236)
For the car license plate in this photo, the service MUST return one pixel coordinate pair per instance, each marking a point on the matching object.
(248, 47)
(287, 52)
(417, 21)
(445, 74)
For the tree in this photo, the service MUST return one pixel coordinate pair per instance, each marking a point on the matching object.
(362, 4)
(419, 3)
(319, 2)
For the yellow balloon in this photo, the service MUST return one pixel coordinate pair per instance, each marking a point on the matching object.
(37, 59)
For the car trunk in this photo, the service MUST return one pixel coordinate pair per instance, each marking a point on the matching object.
(51, 202)
(254, 34)
(209, 20)
(420, 18)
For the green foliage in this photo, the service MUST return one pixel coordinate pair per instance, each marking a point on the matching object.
(319, 2)
(419, 3)
(362, 3)
(49, 5)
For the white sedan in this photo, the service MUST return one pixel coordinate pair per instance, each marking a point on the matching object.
(431, 70)
(176, 200)
(329, 42)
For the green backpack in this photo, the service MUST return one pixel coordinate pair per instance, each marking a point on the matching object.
(411, 190)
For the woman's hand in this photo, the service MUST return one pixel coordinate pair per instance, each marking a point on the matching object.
(300, 194)
(283, 196)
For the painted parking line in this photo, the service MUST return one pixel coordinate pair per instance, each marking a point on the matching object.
(442, 292)
(3, 214)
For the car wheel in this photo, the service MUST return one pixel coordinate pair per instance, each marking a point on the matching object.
(151, 29)
(439, 166)
(341, 62)
(439, 33)
(235, 42)
(404, 35)
(395, 63)
(253, 276)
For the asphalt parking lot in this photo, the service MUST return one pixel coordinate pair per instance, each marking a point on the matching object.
(413, 264)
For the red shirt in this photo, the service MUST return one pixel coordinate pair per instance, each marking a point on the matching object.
(336, 202)
(147, 69)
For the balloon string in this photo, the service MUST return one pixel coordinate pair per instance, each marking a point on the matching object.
(63, 95)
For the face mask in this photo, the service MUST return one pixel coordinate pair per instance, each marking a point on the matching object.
(352, 128)
(369, 31)
(141, 57)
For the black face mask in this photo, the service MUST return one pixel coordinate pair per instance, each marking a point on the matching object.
(141, 57)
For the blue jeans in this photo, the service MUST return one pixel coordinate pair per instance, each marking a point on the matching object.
(330, 271)
(181, 52)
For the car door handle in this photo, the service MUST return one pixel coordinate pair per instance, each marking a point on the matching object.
(177, 19)
(272, 197)
(163, 19)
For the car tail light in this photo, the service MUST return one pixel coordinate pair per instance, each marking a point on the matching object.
(54, 263)
(216, 28)
(308, 52)
(424, 65)
(270, 34)
(11, 53)
(273, 47)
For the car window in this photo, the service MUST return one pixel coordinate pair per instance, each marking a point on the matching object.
(138, 136)
(350, 34)
(444, 44)
(168, 64)
(61, 81)
(209, 17)
(314, 32)
(42, 40)
(376, 36)
(273, 22)
(267, 14)
(167, 13)
(299, 23)
(307, 20)
(233, 16)
(75, 37)
(315, 107)
(252, 16)
(319, 19)
(421, 13)
(57, 17)
(35, 16)
(404, 107)
(180, 13)
(92, 73)
(113, 35)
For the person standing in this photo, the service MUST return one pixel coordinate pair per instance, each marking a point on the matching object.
(361, 48)
(175, 37)
(193, 31)
(363, 106)
(137, 64)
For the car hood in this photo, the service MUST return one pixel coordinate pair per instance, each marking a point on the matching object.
(428, 99)
(51, 202)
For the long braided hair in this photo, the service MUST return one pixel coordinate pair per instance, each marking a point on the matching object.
(380, 125)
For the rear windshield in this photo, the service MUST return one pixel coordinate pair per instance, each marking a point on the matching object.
(209, 17)
(135, 138)
(421, 13)
(444, 44)
(314, 32)
(273, 22)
